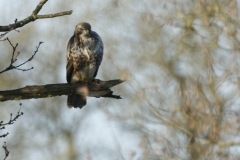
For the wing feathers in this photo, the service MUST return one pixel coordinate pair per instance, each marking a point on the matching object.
(69, 65)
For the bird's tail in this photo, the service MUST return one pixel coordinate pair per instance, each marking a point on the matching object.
(76, 101)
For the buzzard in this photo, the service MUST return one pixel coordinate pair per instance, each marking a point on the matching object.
(84, 56)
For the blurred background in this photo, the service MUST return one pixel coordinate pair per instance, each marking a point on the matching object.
(180, 60)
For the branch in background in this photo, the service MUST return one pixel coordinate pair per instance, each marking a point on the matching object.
(33, 17)
(6, 150)
(95, 89)
(11, 121)
(14, 58)
(5, 134)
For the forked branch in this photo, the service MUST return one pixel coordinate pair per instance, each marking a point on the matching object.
(10, 122)
(34, 16)
(14, 58)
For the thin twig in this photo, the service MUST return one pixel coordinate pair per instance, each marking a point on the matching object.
(11, 121)
(6, 150)
(4, 135)
(14, 59)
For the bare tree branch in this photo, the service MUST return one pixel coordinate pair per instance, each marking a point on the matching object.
(11, 121)
(14, 58)
(6, 150)
(33, 17)
(95, 89)
(5, 134)
(5, 33)
(54, 15)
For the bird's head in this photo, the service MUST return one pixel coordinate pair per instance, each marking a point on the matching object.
(83, 30)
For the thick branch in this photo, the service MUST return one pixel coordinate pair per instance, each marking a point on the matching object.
(95, 89)
(33, 17)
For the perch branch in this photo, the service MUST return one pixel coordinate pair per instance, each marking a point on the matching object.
(96, 89)
(34, 16)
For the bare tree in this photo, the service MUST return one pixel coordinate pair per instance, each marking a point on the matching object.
(187, 102)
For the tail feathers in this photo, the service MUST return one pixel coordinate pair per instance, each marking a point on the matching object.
(76, 101)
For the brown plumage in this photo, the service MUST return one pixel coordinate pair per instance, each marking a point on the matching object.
(84, 56)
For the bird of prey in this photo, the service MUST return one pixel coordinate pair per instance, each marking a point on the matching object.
(84, 56)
